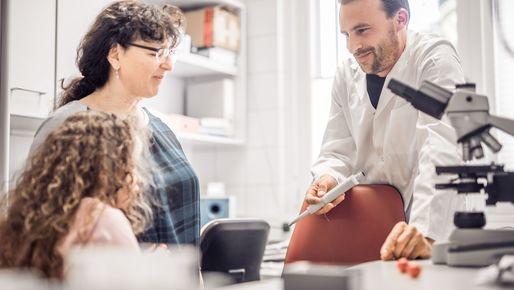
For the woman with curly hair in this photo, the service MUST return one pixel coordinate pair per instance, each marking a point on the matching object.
(83, 186)
(123, 58)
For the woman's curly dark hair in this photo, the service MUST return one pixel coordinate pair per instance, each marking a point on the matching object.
(119, 23)
(91, 154)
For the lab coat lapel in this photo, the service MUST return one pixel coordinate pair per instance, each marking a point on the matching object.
(359, 104)
(387, 98)
(384, 102)
(359, 82)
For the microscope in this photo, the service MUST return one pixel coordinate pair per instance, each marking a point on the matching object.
(468, 113)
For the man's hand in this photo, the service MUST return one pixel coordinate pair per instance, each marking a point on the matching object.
(318, 189)
(406, 241)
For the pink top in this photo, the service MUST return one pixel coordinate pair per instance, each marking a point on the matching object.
(97, 223)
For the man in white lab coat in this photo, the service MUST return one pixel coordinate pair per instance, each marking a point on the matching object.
(372, 130)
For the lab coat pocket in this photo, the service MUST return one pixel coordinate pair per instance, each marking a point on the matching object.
(400, 142)
(401, 129)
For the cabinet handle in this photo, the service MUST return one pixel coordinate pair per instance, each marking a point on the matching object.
(39, 93)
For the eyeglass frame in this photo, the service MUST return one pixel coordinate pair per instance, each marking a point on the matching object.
(171, 52)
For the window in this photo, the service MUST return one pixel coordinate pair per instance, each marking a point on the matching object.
(328, 50)
(330, 46)
(435, 16)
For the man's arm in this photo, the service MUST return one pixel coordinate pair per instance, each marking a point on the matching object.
(431, 212)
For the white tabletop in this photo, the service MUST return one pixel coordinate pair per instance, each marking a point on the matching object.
(385, 275)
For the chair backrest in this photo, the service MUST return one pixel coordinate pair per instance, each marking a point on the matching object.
(350, 233)
(234, 247)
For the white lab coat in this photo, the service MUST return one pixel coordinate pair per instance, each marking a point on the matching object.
(397, 144)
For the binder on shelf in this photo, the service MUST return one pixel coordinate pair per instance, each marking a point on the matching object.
(216, 127)
(219, 55)
(213, 102)
(213, 26)
(184, 124)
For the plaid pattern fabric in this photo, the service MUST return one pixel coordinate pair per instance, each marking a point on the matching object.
(177, 220)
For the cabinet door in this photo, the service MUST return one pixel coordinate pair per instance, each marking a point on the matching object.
(31, 44)
(74, 18)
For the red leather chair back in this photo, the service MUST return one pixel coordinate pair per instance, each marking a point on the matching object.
(350, 233)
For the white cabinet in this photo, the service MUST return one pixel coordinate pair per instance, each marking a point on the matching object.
(74, 18)
(31, 63)
(43, 36)
(30, 75)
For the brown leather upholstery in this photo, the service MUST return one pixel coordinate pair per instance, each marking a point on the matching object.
(350, 233)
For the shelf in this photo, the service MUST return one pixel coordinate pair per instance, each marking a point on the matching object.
(203, 140)
(193, 65)
(27, 126)
(188, 4)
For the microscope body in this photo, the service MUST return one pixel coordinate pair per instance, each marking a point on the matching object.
(468, 112)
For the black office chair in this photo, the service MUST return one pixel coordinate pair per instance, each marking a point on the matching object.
(234, 247)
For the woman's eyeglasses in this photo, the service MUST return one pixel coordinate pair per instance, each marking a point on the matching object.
(161, 54)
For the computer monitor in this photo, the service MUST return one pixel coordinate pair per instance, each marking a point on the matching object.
(234, 247)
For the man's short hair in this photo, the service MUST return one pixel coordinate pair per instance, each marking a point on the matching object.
(390, 6)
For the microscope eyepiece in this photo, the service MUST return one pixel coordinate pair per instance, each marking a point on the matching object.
(431, 99)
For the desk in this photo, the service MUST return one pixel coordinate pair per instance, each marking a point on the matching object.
(384, 275)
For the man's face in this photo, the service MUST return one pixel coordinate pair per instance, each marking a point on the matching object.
(371, 36)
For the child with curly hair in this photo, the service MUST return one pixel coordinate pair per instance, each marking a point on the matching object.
(83, 186)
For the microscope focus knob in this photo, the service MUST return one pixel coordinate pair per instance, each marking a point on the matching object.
(466, 86)
(469, 220)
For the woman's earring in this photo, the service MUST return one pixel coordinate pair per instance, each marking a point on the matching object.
(117, 72)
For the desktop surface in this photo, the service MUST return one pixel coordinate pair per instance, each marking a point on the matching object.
(385, 275)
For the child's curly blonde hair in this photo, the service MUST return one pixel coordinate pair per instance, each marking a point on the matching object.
(91, 154)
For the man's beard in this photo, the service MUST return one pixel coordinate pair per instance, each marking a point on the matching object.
(384, 54)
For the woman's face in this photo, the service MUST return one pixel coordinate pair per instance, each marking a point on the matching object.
(140, 72)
